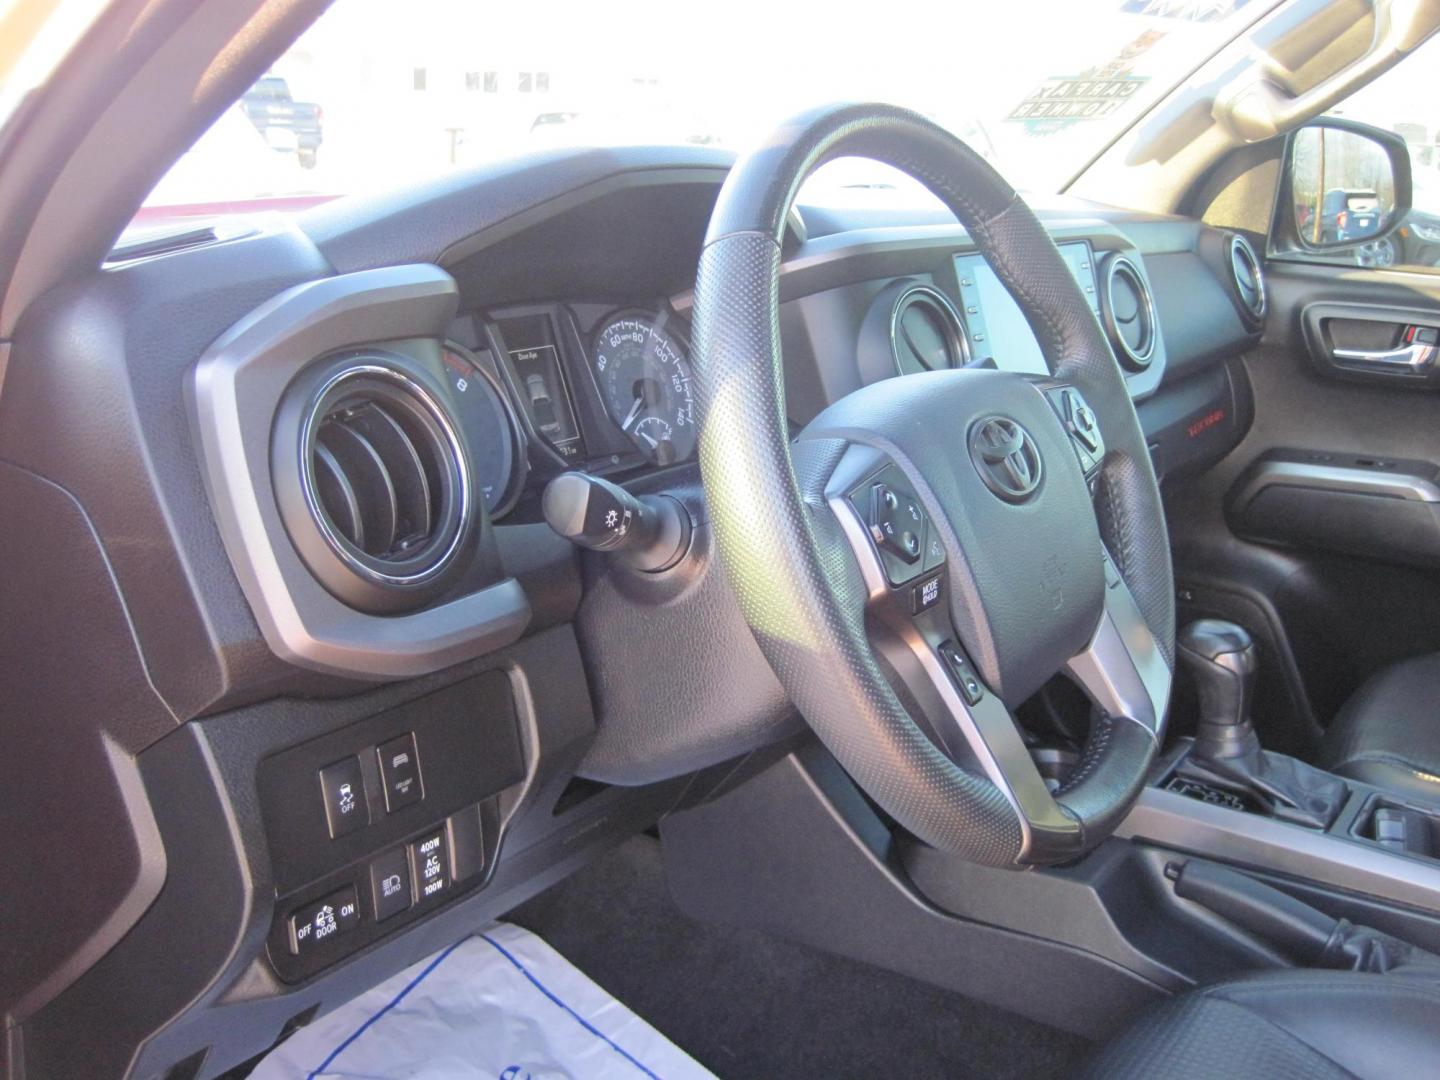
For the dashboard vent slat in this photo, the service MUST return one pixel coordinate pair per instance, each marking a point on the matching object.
(368, 476)
(337, 495)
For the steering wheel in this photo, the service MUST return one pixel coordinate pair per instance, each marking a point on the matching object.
(931, 549)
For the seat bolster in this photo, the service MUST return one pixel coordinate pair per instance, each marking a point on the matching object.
(1388, 733)
(1320, 1025)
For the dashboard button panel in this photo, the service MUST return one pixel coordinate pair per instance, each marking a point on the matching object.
(431, 842)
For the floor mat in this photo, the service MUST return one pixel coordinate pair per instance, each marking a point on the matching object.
(500, 1004)
(746, 1004)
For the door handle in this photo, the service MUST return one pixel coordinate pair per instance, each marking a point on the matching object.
(1415, 358)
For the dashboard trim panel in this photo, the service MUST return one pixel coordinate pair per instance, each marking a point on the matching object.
(233, 395)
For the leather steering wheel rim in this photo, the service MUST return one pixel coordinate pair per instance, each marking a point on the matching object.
(794, 572)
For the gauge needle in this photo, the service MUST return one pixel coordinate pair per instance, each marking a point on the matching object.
(634, 412)
(653, 444)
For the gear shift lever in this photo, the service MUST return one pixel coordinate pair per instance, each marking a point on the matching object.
(1221, 659)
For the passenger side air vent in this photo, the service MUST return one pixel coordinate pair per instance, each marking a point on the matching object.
(377, 495)
(1249, 280)
(1128, 312)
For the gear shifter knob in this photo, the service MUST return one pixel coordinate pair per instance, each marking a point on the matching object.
(1221, 659)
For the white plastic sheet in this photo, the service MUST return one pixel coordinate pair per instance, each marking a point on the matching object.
(502, 1004)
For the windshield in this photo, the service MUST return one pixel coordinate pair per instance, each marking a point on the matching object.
(378, 93)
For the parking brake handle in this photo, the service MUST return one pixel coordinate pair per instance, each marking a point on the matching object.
(1302, 933)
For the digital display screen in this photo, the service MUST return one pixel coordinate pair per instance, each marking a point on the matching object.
(998, 330)
(546, 399)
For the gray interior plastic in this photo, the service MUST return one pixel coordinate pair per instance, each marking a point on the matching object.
(235, 392)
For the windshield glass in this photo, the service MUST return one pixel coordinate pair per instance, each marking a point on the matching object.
(378, 93)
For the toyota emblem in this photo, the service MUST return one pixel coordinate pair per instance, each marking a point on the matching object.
(1006, 457)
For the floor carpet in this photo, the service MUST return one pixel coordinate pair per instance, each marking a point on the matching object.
(746, 1004)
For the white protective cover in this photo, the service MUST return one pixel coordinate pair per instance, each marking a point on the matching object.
(502, 1004)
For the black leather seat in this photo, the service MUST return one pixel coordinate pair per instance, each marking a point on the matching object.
(1315, 1025)
(1388, 733)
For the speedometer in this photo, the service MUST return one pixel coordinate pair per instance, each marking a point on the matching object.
(644, 377)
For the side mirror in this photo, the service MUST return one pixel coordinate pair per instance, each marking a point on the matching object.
(1344, 184)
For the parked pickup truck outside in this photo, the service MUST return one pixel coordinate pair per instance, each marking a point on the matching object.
(284, 121)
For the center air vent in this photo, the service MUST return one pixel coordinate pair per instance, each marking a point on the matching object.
(1128, 312)
(910, 327)
(926, 333)
(1249, 280)
(378, 498)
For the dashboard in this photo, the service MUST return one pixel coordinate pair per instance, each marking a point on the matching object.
(351, 652)
(606, 387)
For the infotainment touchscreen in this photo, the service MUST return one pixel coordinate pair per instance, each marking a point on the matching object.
(998, 331)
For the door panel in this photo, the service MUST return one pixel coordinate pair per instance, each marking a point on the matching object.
(1334, 568)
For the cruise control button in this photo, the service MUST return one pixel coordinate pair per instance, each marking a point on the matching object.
(343, 789)
(430, 863)
(335, 914)
(390, 884)
(399, 772)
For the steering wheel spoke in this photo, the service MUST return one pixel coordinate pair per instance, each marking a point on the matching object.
(1122, 669)
(915, 644)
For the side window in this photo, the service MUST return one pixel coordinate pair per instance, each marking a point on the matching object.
(1340, 185)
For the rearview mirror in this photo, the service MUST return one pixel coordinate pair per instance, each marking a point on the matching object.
(1347, 183)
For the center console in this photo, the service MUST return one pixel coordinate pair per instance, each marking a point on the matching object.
(1233, 860)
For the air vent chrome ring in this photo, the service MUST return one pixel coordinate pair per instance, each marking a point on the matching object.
(373, 480)
(1248, 280)
(1126, 318)
(947, 324)
(446, 536)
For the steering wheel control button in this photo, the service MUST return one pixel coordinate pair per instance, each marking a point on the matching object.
(926, 595)
(315, 923)
(343, 789)
(1007, 458)
(934, 549)
(400, 772)
(390, 884)
(897, 523)
(430, 865)
(1080, 424)
(962, 674)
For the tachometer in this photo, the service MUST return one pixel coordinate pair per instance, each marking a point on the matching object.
(644, 377)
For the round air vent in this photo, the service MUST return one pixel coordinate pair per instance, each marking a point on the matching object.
(375, 488)
(1128, 312)
(1249, 280)
(910, 327)
(926, 333)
